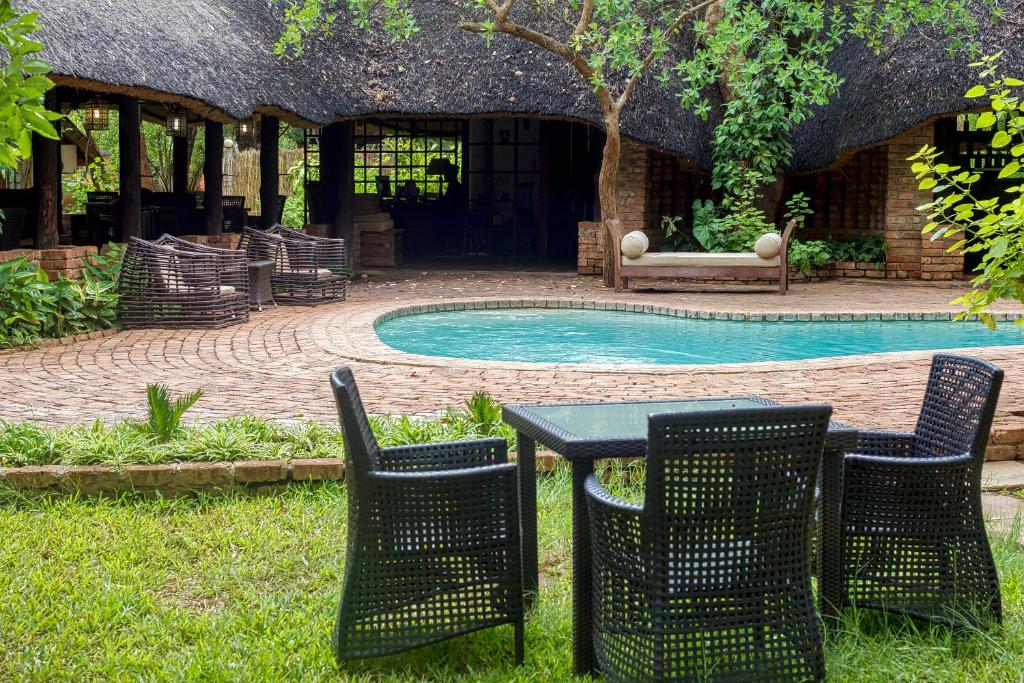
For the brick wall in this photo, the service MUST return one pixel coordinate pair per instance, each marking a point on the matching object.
(633, 208)
(849, 200)
(66, 261)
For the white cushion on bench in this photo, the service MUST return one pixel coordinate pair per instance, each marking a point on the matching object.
(678, 259)
(768, 245)
(634, 244)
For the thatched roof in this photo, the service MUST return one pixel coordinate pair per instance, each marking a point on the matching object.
(217, 56)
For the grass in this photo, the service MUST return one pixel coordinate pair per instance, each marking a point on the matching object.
(245, 588)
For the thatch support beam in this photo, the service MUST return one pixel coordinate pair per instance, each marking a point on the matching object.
(213, 177)
(130, 143)
(270, 131)
(336, 178)
(46, 180)
(179, 161)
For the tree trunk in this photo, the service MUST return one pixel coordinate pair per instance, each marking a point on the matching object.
(608, 191)
(769, 199)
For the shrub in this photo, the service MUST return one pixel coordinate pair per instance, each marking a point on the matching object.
(33, 308)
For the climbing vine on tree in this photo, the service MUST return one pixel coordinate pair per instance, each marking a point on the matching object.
(764, 63)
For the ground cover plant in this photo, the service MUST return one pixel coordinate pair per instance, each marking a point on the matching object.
(162, 438)
(242, 587)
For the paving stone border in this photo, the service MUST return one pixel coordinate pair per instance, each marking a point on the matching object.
(258, 476)
(63, 341)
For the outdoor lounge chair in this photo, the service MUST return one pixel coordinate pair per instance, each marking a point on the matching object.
(914, 539)
(174, 283)
(711, 579)
(433, 541)
(307, 270)
(768, 261)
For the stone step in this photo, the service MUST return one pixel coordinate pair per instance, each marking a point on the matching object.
(1002, 476)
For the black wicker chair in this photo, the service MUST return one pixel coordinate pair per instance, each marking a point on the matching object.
(234, 213)
(173, 283)
(711, 579)
(433, 541)
(306, 269)
(914, 538)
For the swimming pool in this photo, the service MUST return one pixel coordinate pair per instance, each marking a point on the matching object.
(624, 337)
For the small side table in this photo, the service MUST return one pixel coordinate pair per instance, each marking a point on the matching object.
(260, 291)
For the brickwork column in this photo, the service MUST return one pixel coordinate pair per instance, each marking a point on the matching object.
(633, 208)
(912, 254)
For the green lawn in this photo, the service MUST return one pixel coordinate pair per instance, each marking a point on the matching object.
(245, 588)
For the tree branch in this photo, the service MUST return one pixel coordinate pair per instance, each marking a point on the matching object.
(585, 16)
(502, 24)
(649, 59)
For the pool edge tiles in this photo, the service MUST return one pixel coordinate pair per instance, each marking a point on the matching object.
(636, 350)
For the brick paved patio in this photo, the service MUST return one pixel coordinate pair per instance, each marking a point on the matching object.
(277, 364)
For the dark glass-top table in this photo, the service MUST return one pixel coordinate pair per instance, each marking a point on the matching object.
(584, 432)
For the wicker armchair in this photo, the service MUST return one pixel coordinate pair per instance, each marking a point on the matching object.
(306, 270)
(433, 541)
(174, 283)
(914, 539)
(711, 579)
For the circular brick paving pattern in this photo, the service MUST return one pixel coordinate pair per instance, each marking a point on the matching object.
(277, 364)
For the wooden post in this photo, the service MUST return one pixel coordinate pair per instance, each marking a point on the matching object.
(270, 129)
(179, 161)
(336, 179)
(213, 178)
(46, 180)
(129, 140)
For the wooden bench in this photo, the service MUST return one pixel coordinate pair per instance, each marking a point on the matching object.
(744, 266)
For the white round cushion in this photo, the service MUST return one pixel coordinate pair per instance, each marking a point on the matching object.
(768, 245)
(634, 244)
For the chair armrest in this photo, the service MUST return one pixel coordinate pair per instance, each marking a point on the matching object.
(435, 493)
(620, 568)
(892, 444)
(453, 455)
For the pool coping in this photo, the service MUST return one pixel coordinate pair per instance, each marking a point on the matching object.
(355, 336)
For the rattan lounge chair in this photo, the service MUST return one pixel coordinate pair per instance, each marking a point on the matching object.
(307, 270)
(711, 579)
(433, 541)
(174, 283)
(914, 539)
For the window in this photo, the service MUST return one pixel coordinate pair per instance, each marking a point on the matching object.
(402, 151)
(972, 148)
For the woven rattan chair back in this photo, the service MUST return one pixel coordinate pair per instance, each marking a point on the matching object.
(959, 405)
(361, 447)
(726, 534)
(233, 207)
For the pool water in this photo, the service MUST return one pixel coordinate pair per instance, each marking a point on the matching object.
(619, 337)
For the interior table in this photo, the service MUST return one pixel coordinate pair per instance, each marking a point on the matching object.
(584, 432)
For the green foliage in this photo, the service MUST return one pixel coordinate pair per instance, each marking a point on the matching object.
(99, 176)
(294, 206)
(164, 414)
(798, 208)
(162, 438)
(993, 228)
(23, 83)
(809, 255)
(33, 308)
(865, 249)
(484, 414)
(677, 239)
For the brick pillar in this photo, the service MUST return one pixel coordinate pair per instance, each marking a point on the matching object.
(634, 201)
(912, 254)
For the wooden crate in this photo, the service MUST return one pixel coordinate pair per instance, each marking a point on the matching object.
(380, 248)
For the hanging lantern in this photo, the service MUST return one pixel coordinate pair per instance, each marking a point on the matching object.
(177, 122)
(96, 114)
(248, 132)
